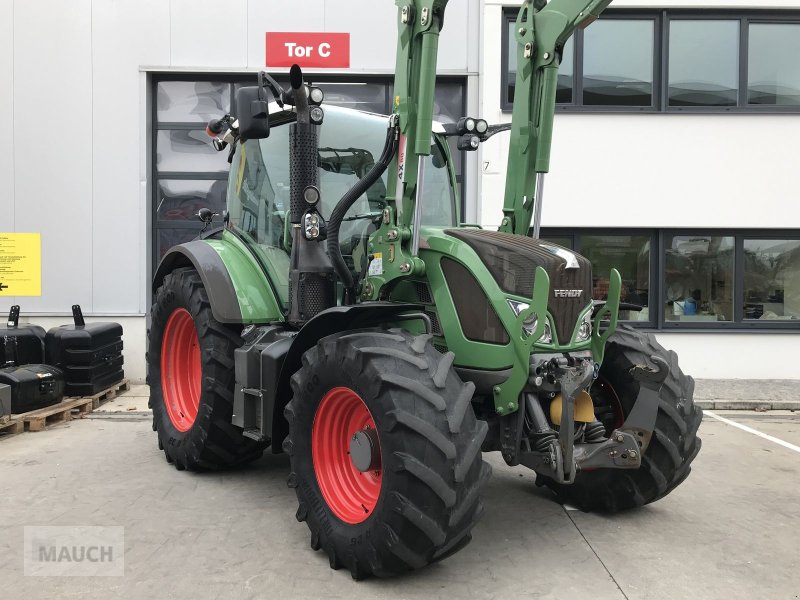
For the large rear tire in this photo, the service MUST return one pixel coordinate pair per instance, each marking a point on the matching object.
(190, 372)
(415, 501)
(673, 446)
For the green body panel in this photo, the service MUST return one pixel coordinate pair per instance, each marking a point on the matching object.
(254, 291)
(481, 355)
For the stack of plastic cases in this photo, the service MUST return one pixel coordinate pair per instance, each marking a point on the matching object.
(33, 386)
(89, 354)
(20, 345)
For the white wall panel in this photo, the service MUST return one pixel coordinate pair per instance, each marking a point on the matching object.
(7, 109)
(456, 36)
(663, 171)
(119, 47)
(53, 145)
(212, 33)
(735, 356)
(373, 31)
(274, 16)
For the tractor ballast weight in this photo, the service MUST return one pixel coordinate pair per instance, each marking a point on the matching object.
(383, 352)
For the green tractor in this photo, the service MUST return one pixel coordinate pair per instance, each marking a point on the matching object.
(342, 314)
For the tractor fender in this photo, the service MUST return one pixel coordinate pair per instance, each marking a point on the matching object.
(218, 279)
(327, 322)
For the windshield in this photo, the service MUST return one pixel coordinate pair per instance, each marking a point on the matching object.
(350, 143)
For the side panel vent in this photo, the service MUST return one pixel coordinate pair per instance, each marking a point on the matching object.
(423, 292)
(477, 316)
(436, 327)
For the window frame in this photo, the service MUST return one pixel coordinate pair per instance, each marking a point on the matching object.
(658, 237)
(663, 18)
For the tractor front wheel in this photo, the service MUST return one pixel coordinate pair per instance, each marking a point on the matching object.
(190, 372)
(667, 461)
(385, 452)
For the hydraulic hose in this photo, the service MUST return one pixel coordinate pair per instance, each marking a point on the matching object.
(349, 198)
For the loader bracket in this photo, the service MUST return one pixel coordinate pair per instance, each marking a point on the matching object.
(642, 419)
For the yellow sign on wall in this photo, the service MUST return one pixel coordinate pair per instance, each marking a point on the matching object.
(20, 264)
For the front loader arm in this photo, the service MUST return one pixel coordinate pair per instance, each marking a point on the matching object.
(396, 242)
(541, 31)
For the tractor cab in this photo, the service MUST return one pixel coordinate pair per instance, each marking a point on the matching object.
(350, 142)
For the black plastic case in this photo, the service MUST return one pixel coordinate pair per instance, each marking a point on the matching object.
(33, 386)
(20, 345)
(89, 353)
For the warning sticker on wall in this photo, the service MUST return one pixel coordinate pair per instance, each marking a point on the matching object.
(20, 264)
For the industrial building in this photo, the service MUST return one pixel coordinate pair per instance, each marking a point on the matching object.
(674, 157)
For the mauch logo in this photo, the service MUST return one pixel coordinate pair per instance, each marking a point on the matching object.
(567, 293)
(58, 551)
(77, 554)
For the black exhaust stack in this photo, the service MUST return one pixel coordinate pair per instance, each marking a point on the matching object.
(312, 283)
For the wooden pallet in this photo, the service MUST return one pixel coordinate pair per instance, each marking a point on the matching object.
(108, 393)
(37, 420)
(11, 426)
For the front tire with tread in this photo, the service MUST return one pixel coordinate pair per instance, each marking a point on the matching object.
(430, 445)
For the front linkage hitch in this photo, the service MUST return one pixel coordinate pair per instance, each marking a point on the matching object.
(556, 455)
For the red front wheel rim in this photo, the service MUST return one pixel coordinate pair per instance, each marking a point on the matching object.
(181, 370)
(350, 494)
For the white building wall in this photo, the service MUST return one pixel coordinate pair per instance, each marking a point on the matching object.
(75, 166)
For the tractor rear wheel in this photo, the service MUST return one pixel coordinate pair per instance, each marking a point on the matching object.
(190, 372)
(667, 461)
(385, 452)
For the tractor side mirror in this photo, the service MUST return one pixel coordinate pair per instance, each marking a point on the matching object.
(252, 111)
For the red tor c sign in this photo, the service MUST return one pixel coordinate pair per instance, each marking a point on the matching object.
(318, 50)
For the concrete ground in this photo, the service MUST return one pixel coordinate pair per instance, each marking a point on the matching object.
(732, 530)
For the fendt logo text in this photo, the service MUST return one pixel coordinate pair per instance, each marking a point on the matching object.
(567, 293)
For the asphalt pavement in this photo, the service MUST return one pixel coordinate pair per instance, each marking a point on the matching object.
(732, 530)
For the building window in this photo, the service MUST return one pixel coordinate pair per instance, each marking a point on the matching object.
(630, 255)
(771, 279)
(690, 280)
(618, 63)
(188, 174)
(674, 60)
(703, 63)
(773, 70)
(698, 280)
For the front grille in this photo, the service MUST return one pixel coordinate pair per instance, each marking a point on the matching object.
(512, 260)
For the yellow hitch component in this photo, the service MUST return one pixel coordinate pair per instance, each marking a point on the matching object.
(584, 408)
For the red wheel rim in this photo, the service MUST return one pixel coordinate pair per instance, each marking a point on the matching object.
(351, 494)
(181, 371)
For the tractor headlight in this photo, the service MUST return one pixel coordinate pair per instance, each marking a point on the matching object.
(585, 330)
(547, 336)
(530, 324)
